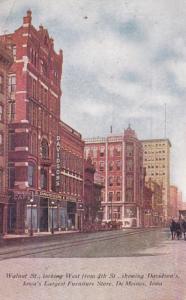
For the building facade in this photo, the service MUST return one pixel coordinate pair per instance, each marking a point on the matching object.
(6, 60)
(156, 161)
(39, 196)
(119, 158)
(92, 194)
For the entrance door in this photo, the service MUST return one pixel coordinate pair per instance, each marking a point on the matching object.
(43, 214)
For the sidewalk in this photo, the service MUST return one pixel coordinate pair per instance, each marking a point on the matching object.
(42, 236)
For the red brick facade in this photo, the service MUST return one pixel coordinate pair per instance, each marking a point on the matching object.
(6, 60)
(39, 169)
(120, 160)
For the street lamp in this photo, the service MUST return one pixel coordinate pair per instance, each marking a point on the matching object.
(52, 230)
(31, 225)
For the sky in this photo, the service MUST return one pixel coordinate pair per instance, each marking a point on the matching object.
(123, 61)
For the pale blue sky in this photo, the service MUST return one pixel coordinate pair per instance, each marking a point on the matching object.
(122, 61)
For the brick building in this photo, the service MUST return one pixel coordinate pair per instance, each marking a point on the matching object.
(92, 193)
(120, 160)
(6, 60)
(39, 196)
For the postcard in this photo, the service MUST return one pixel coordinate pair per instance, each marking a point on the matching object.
(92, 149)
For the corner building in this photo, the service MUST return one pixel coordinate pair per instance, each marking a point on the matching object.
(6, 60)
(120, 160)
(35, 134)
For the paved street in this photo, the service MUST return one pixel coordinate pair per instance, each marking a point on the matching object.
(122, 243)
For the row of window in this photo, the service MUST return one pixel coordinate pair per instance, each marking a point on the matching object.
(95, 152)
(114, 196)
(154, 152)
(38, 92)
(46, 67)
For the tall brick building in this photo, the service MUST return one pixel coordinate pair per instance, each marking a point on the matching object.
(120, 160)
(6, 59)
(44, 181)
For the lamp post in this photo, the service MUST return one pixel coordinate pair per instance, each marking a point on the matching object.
(52, 230)
(31, 224)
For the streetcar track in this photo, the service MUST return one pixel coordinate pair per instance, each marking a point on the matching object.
(58, 246)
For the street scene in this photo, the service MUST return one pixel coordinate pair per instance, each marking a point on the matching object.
(110, 183)
(92, 149)
(120, 243)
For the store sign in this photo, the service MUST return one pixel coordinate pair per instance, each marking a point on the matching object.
(58, 161)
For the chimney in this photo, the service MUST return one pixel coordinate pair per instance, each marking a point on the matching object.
(27, 20)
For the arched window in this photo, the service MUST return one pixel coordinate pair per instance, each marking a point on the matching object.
(44, 149)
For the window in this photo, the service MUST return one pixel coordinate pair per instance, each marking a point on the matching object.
(11, 177)
(31, 175)
(118, 151)
(11, 111)
(129, 165)
(101, 166)
(110, 196)
(110, 180)
(1, 113)
(11, 141)
(118, 180)
(44, 179)
(1, 84)
(11, 84)
(14, 51)
(44, 149)
(129, 196)
(111, 166)
(118, 196)
(118, 165)
(102, 149)
(129, 181)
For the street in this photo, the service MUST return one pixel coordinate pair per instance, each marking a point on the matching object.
(121, 243)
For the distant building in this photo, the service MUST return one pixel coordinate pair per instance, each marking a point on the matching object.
(6, 60)
(92, 194)
(156, 211)
(119, 158)
(156, 160)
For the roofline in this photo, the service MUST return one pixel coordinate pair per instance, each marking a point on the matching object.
(156, 140)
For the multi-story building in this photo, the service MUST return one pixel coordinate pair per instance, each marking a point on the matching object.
(156, 211)
(92, 193)
(6, 59)
(156, 161)
(173, 202)
(37, 196)
(120, 160)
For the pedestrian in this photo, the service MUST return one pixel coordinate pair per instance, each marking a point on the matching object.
(178, 230)
(173, 228)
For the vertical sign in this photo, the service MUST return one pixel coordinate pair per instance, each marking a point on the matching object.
(58, 161)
